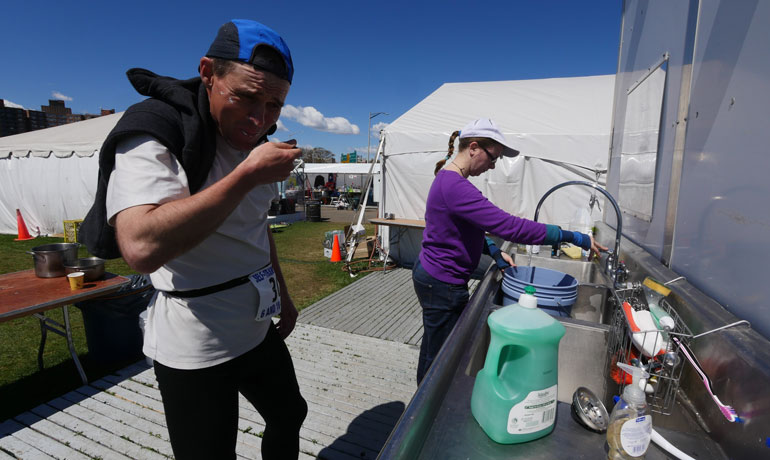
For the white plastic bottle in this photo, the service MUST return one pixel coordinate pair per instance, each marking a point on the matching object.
(630, 426)
(581, 222)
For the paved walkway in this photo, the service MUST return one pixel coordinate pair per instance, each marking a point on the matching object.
(347, 216)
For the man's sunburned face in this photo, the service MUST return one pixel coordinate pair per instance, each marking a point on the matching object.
(245, 103)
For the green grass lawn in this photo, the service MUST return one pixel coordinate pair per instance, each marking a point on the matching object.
(309, 276)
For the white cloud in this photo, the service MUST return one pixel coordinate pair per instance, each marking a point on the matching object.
(59, 96)
(379, 127)
(280, 126)
(311, 117)
(12, 105)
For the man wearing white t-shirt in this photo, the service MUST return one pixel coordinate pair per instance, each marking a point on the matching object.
(186, 180)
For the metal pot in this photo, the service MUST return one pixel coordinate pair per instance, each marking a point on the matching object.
(50, 258)
(92, 267)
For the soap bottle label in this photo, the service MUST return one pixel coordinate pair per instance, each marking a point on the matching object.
(635, 435)
(536, 412)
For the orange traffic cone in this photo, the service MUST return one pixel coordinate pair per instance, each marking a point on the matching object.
(23, 233)
(336, 256)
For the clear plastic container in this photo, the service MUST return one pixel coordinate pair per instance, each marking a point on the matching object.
(582, 222)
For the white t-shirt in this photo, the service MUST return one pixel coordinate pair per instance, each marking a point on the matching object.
(202, 331)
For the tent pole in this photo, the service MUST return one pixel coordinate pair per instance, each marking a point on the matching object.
(352, 237)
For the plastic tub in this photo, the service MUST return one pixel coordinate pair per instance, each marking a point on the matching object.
(111, 323)
(555, 291)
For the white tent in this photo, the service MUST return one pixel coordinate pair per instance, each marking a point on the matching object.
(50, 174)
(560, 125)
(348, 174)
(340, 168)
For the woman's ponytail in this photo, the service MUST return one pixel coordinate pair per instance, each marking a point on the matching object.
(441, 163)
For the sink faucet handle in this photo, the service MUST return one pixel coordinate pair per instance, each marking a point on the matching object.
(622, 272)
(610, 262)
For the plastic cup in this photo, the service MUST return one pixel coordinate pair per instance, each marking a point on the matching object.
(76, 280)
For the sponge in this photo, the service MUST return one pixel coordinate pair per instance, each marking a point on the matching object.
(656, 286)
(573, 251)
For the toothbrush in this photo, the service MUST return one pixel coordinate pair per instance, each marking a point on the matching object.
(726, 410)
(668, 447)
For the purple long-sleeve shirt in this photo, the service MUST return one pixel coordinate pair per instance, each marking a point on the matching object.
(456, 217)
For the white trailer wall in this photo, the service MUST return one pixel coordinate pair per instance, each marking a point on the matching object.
(710, 214)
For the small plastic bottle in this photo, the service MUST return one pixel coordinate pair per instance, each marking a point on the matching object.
(587, 253)
(581, 222)
(630, 426)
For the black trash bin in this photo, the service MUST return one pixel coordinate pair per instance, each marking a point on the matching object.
(275, 208)
(112, 322)
(313, 211)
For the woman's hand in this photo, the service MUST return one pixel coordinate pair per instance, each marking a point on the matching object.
(596, 248)
(507, 257)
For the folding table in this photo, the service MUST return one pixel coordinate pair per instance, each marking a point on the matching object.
(23, 294)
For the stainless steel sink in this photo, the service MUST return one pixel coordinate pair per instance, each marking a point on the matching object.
(583, 350)
(582, 354)
(593, 284)
(583, 271)
(438, 423)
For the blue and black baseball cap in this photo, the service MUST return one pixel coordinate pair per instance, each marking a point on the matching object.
(249, 41)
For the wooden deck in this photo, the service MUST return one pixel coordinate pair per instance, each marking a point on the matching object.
(382, 305)
(355, 354)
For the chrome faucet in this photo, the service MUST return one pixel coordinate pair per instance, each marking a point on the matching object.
(613, 266)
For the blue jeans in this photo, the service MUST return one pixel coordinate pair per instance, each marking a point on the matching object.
(442, 303)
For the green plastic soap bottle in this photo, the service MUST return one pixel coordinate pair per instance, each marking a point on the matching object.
(515, 395)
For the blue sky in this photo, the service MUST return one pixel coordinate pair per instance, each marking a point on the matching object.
(351, 57)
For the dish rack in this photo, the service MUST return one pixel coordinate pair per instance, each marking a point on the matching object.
(665, 368)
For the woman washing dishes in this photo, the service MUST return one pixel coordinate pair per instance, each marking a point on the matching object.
(457, 216)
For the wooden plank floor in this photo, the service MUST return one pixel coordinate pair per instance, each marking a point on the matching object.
(355, 354)
(356, 388)
(382, 305)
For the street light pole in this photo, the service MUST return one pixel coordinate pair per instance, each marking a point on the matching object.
(369, 134)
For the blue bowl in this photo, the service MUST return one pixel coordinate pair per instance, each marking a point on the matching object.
(555, 291)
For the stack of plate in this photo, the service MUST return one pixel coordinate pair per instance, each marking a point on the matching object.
(555, 291)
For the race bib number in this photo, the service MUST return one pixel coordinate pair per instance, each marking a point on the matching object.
(269, 293)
